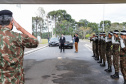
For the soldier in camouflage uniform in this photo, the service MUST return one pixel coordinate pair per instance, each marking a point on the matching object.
(93, 44)
(103, 47)
(99, 47)
(123, 54)
(96, 46)
(116, 55)
(108, 51)
(12, 46)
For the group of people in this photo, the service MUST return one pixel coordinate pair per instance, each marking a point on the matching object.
(111, 47)
(62, 41)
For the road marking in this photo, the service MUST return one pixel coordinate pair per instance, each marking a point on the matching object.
(88, 47)
(34, 50)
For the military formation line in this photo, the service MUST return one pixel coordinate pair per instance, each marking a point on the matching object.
(111, 48)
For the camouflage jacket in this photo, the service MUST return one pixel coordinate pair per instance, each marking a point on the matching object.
(108, 46)
(103, 44)
(123, 50)
(116, 46)
(12, 46)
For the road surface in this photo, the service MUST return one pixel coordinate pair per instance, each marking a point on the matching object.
(49, 66)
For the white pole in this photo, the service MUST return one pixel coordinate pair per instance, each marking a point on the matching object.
(52, 30)
(103, 15)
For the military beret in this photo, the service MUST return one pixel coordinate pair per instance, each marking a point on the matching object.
(110, 32)
(116, 32)
(96, 34)
(123, 32)
(6, 12)
(103, 32)
(100, 33)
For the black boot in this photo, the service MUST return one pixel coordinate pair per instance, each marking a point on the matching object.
(93, 55)
(96, 58)
(109, 69)
(115, 76)
(124, 81)
(103, 65)
(100, 61)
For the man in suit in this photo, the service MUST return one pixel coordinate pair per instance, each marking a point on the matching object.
(62, 42)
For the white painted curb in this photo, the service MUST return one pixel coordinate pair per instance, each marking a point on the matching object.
(33, 50)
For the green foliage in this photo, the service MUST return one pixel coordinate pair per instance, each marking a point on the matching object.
(107, 25)
(87, 36)
(64, 28)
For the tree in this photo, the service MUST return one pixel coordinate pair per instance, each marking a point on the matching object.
(64, 28)
(84, 31)
(116, 26)
(35, 23)
(94, 27)
(107, 25)
(41, 14)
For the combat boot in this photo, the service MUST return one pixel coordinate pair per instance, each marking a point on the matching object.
(115, 76)
(100, 61)
(124, 82)
(93, 55)
(109, 69)
(103, 65)
(97, 58)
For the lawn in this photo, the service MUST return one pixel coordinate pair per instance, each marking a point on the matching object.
(44, 41)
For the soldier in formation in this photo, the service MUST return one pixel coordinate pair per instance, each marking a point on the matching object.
(112, 45)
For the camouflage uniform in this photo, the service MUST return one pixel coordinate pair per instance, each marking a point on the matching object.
(94, 48)
(97, 54)
(123, 60)
(93, 45)
(99, 49)
(103, 50)
(116, 56)
(12, 46)
(108, 53)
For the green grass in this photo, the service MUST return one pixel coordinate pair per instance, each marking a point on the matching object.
(44, 41)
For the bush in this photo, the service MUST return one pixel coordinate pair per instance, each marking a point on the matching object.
(87, 36)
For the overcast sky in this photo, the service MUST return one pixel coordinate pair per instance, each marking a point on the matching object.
(91, 12)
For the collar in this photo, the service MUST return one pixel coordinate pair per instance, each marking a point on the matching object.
(5, 28)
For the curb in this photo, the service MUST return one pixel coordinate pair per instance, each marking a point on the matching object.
(28, 52)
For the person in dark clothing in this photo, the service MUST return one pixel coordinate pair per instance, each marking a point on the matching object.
(62, 42)
(76, 43)
(74, 39)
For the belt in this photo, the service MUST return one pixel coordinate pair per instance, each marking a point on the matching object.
(123, 55)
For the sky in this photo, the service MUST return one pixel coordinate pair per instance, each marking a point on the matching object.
(92, 12)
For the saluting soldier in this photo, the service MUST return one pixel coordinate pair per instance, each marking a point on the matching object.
(12, 46)
(99, 47)
(96, 50)
(116, 54)
(123, 54)
(103, 49)
(108, 51)
(93, 44)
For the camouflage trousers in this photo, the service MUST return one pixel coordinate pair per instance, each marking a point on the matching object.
(99, 50)
(116, 61)
(103, 52)
(123, 66)
(96, 52)
(94, 48)
(108, 56)
(16, 77)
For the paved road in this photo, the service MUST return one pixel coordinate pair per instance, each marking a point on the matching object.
(49, 66)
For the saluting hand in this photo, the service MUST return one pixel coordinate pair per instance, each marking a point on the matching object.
(17, 25)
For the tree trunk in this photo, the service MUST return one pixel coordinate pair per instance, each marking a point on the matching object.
(36, 28)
